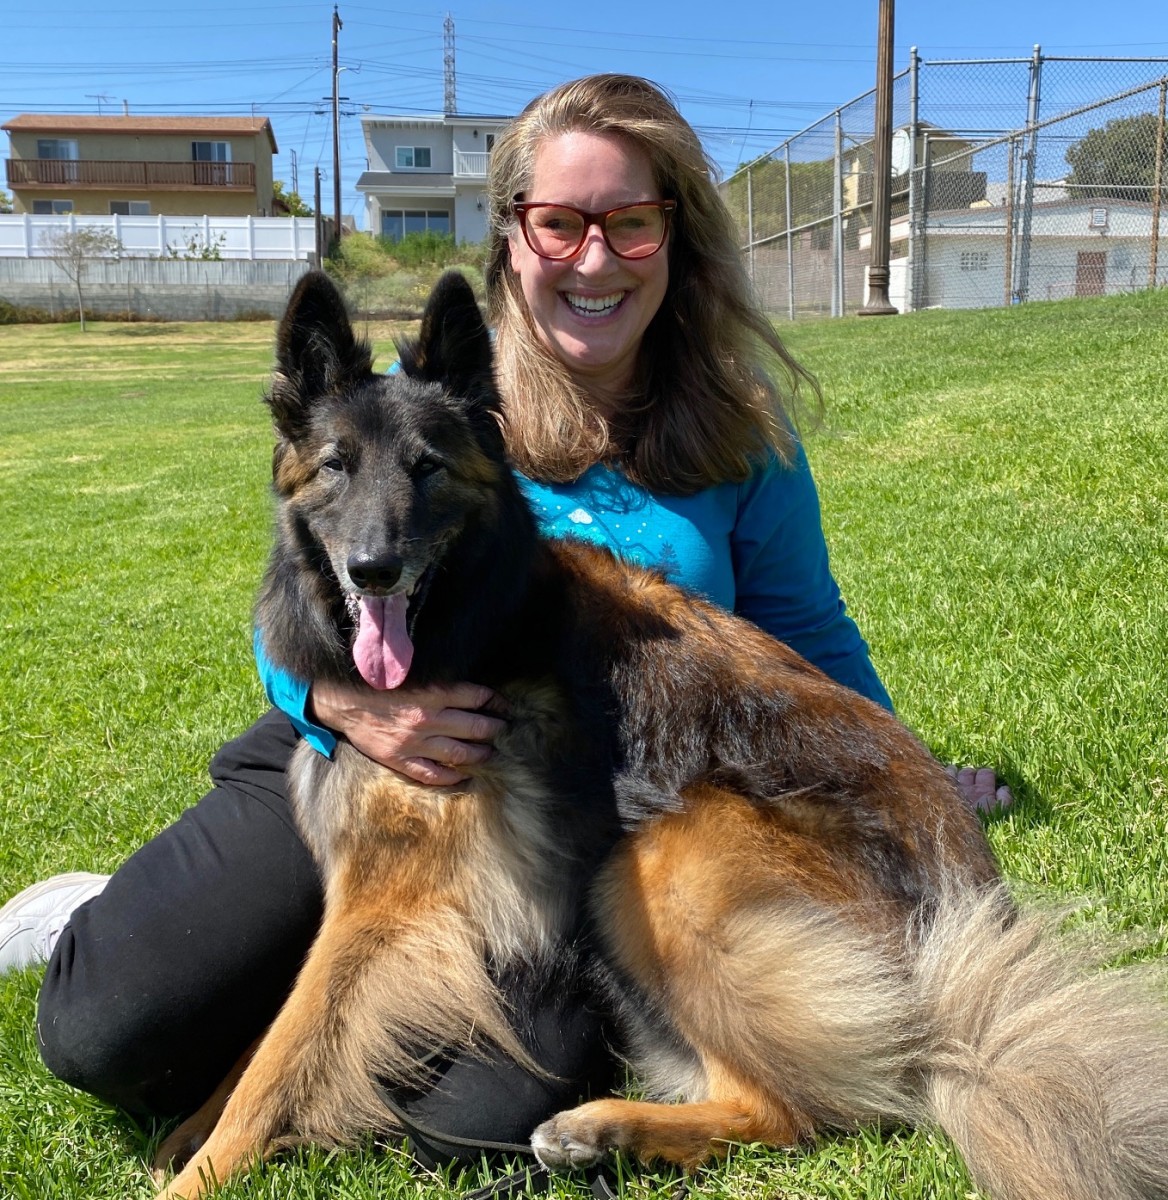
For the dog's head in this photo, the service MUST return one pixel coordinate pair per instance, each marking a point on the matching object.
(380, 476)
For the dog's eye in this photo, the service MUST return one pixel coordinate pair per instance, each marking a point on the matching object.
(333, 465)
(427, 465)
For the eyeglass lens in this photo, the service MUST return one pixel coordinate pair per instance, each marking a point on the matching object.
(635, 231)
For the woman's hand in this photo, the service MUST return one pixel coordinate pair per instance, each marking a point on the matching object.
(980, 788)
(427, 734)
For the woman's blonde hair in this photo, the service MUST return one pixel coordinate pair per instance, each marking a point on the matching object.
(714, 387)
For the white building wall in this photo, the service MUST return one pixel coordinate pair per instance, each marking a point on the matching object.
(470, 215)
(372, 215)
(473, 140)
(969, 271)
(965, 272)
(1053, 266)
(383, 142)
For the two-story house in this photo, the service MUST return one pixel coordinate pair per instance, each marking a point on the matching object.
(428, 173)
(139, 166)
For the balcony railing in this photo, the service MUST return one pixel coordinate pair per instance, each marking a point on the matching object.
(75, 173)
(470, 164)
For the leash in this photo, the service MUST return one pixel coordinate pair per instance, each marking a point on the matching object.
(535, 1178)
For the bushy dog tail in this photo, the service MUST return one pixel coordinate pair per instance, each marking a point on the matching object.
(1050, 1075)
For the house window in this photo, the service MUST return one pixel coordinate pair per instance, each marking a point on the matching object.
(56, 148)
(1099, 218)
(412, 158)
(975, 260)
(211, 151)
(61, 153)
(212, 162)
(129, 208)
(57, 208)
(395, 224)
(490, 142)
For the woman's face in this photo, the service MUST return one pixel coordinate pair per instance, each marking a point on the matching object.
(592, 310)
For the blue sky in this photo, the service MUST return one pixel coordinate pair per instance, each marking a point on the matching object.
(745, 73)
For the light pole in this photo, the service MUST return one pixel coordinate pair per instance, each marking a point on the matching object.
(878, 303)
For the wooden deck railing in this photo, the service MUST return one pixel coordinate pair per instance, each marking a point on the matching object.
(95, 173)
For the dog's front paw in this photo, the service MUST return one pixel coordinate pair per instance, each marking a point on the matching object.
(569, 1140)
(177, 1150)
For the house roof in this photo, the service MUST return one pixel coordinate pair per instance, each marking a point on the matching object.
(424, 121)
(1062, 218)
(82, 123)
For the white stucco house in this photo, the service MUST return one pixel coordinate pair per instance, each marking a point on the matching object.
(428, 173)
(1078, 247)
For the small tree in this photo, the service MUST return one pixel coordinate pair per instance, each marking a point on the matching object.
(1117, 160)
(5, 202)
(74, 249)
(290, 202)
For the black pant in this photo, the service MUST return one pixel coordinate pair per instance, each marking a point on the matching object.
(159, 984)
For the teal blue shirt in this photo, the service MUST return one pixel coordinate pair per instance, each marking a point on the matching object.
(755, 548)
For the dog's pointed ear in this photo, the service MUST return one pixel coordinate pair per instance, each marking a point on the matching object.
(316, 353)
(454, 346)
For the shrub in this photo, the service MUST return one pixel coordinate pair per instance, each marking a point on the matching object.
(394, 279)
(431, 249)
(359, 257)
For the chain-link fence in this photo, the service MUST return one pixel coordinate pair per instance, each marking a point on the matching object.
(1013, 179)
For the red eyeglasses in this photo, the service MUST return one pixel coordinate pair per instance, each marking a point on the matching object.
(557, 231)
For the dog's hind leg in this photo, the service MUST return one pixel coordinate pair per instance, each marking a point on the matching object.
(750, 992)
(735, 1111)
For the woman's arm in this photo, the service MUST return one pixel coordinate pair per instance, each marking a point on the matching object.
(427, 734)
(783, 578)
(785, 585)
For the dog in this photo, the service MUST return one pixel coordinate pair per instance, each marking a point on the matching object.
(794, 915)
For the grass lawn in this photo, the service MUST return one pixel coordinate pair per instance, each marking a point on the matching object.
(996, 501)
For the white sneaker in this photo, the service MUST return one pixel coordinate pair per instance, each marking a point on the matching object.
(31, 922)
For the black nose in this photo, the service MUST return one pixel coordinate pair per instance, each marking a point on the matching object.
(373, 572)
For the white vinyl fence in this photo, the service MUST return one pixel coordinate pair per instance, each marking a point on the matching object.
(253, 239)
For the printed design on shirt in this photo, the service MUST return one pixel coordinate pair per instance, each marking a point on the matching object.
(622, 522)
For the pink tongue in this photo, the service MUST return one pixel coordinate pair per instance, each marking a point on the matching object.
(383, 649)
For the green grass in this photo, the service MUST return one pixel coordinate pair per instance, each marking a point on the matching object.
(996, 501)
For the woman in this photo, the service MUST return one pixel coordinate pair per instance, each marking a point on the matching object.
(641, 407)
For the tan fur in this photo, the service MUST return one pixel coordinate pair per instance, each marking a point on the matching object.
(424, 885)
(782, 971)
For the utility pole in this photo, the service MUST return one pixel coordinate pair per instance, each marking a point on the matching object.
(318, 226)
(878, 303)
(337, 26)
(295, 174)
